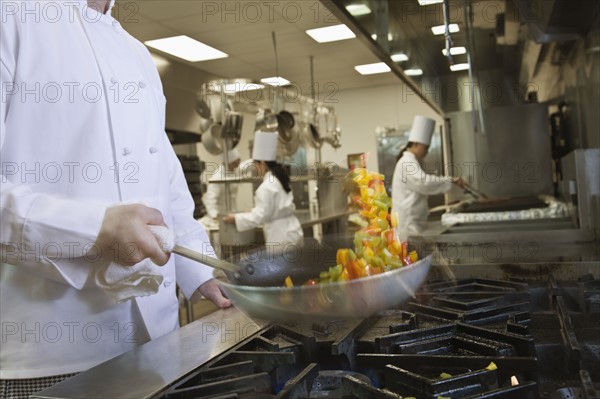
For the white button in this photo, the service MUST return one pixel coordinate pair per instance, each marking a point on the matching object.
(153, 150)
(115, 23)
(126, 151)
(167, 283)
(141, 84)
(114, 80)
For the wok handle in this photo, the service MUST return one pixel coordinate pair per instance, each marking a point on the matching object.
(166, 240)
(206, 260)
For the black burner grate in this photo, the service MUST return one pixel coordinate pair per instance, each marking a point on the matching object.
(471, 339)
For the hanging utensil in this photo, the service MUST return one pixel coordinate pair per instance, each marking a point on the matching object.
(282, 123)
(205, 124)
(232, 129)
(202, 107)
(285, 124)
(473, 192)
(211, 139)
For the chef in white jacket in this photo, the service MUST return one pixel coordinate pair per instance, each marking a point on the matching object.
(86, 167)
(411, 185)
(273, 200)
(214, 199)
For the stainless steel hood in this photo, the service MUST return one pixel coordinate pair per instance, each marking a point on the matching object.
(501, 31)
(558, 20)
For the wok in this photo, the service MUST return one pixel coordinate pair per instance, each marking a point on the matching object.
(261, 295)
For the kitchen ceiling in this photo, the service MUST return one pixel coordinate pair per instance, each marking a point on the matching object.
(244, 31)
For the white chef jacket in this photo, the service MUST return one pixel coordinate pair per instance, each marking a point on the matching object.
(214, 198)
(410, 188)
(82, 128)
(274, 210)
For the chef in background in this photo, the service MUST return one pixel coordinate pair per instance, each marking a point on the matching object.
(273, 200)
(411, 185)
(214, 199)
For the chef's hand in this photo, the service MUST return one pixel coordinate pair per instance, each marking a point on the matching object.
(212, 291)
(458, 181)
(229, 218)
(124, 236)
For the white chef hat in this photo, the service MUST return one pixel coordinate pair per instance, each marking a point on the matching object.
(421, 130)
(265, 146)
(232, 156)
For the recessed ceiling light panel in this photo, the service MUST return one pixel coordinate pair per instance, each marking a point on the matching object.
(371, 69)
(459, 67)
(413, 72)
(331, 33)
(399, 57)
(275, 81)
(358, 9)
(455, 51)
(441, 29)
(186, 48)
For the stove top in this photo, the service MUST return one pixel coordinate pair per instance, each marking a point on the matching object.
(472, 338)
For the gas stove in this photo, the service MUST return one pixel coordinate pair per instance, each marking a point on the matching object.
(514, 337)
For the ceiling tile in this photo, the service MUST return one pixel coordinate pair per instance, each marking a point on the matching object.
(244, 31)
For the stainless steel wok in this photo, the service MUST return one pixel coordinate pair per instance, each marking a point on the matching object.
(261, 295)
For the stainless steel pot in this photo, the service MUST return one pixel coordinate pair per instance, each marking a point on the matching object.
(261, 295)
(283, 123)
(202, 107)
(312, 136)
(211, 139)
(232, 130)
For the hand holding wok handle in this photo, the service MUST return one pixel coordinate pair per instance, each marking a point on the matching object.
(166, 240)
(124, 238)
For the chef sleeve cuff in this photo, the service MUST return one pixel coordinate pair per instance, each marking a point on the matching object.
(191, 274)
(70, 227)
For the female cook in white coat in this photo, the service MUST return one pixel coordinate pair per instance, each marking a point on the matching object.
(273, 200)
(411, 185)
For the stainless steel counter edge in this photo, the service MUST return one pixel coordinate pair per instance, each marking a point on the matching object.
(145, 371)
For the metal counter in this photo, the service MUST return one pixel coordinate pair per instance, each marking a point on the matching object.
(145, 371)
(303, 216)
(553, 240)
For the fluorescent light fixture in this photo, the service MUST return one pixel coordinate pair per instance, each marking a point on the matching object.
(441, 29)
(413, 72)
(186, 48)
(399, 57)
(159, 62)
(459, 67)
(428, 2)
(331, 33)
(276, 81)
(357, 10)
(237, 87)
(455, 51)
(390, 37)
(371, 69)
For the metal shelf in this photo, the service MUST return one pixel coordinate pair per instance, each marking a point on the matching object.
(183, 137)
(292, 179)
